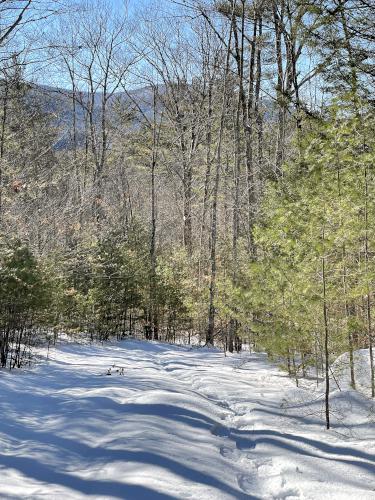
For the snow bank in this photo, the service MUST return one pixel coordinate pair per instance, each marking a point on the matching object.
(341, 371)
(179, 423)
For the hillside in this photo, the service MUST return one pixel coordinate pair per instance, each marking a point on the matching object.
(58, 104)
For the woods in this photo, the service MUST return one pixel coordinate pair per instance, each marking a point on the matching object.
(189, 170)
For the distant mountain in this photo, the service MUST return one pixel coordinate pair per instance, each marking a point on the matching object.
(59, 103)
(137, 102)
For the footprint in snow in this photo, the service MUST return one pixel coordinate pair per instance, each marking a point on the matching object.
(220, 430)
(223, 416)
(273, 482)
(230, 453)
(223, 404)
(264, 466)
(288, 494)
(245, 444)
(246, 483)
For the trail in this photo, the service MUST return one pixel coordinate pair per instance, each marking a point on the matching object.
(177, 424)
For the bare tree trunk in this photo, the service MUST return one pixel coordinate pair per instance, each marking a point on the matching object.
(257, 104)
(347, 306)
(247, 103)
(212, 288)
(153, 312)
(207, 173)
(236, 218)
(187, 181)
(326, 341)
(280, 92)
(2, 141)
(368, 301)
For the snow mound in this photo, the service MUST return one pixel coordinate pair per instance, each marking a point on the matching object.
(362, 374)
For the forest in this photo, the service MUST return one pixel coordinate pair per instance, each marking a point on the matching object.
(195, 171)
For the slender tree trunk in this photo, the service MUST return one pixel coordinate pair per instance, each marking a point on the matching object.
(280, 92)
(347, 306)
(257, 105)
(247, 103)
(295, 367)
(207, 173)
(153, 313)
(326, 342)
(187, 185)
(368, 299)
(212, 288)
(2, 142)
(236, 201)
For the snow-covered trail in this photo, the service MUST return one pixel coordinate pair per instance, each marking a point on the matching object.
(178, 424)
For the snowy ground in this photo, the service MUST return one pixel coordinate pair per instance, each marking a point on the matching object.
(178, 424)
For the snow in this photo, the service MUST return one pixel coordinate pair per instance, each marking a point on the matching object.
(180, 423)
(341, 371)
